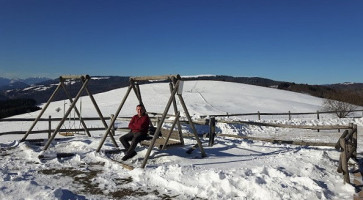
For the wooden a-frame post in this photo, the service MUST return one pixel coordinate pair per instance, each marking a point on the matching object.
(85, 79)
(176, 79)
(108, 131)
(174, 87)
(177, 113)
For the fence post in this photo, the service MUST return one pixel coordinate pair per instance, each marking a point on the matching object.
(212, 130)
(259, 115)
(49, 126)
(318, 117)
(157, 121)
(289, 115)
(355, 140)
(344, 160)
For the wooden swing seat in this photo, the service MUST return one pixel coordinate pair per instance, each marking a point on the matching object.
(173, 140)
(66, 134)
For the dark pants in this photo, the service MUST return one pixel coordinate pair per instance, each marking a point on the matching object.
(134, 138)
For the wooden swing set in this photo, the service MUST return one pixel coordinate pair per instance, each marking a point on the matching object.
(85, 80)
(175, 83)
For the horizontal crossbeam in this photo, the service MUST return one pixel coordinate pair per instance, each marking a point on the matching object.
(64, 77)
(155, 78)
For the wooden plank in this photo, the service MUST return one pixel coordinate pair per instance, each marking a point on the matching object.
(173, 135)
(355, 140)
(52, 119)
(302, 143)
(46, 131)
(171, 131)
(160, 142)
(340, 165)
(337, 145)
(124, 165)
(285, 125)
(117, 151)
(66, 133)
(351, 151)
(154, 78)
(267, 114)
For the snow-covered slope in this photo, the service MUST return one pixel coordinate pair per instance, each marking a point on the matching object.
(202, 98)
(233, 168)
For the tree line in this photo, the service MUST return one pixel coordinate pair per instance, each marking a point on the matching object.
(12, 107)
(341, 100)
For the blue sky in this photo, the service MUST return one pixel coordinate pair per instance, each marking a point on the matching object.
(302, 41)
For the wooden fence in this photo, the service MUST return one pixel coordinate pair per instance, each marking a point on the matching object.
(288, 114)
(347, 143)
(49, 130)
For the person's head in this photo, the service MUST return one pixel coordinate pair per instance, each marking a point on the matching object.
(140, 109)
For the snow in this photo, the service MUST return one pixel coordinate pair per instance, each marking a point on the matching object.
(100, 78)
(348, 83)
(200, 75)
(233, 169)
(37, 88)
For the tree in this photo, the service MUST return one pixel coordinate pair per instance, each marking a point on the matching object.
(17, 106)
(339, 104)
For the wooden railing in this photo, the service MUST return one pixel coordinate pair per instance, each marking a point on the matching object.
(49, 130)
(213, 121)
(347, 144)
(288, 114)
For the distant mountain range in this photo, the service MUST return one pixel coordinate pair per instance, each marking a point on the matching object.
(40, 89)
(43, 88)
(29, 81)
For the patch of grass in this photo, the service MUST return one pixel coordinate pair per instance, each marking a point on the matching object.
(123, 180)
(84, 179)
(81, 178)
(127, 192)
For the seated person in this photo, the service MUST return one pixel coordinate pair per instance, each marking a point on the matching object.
(139, 126)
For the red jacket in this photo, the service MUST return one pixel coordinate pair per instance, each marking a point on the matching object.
(139, 124)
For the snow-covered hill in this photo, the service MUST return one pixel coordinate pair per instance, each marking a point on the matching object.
(233, 169)
(202, 97)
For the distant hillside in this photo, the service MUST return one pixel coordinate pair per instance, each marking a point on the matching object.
(346, 92)
(246, 80)
(5, 82)
(40, 92)
(3, 98)
(32, 81)
(353, 87)
(14, 85)
(17, 106)
(351, 93)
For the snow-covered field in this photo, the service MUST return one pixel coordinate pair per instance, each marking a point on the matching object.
(233, 168)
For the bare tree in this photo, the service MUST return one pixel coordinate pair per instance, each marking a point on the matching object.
(341, 109)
